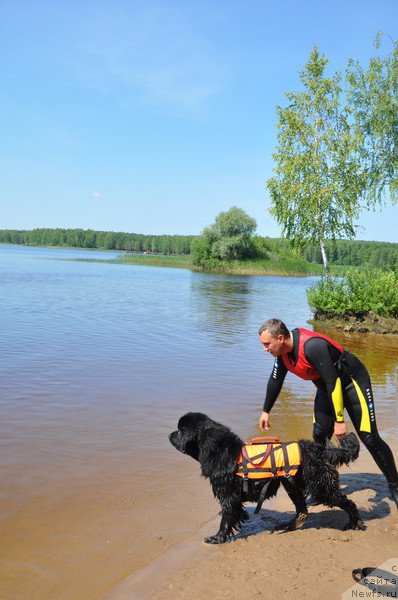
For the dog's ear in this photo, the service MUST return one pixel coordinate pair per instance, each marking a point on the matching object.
(190, 447)
(219, 450)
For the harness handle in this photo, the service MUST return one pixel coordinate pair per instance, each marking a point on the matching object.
(264, 440)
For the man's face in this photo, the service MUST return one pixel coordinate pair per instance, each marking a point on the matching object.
(272, 345)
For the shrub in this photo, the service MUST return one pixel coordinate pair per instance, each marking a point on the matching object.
(358, 293)
(230, 237)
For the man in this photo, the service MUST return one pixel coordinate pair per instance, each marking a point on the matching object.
(342, 381)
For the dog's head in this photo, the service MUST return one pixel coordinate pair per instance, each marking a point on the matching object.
(186, 437)
(215, 446)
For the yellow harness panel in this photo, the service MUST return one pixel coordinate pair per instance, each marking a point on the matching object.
(262, 461)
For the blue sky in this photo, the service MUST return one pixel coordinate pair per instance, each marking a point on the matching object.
(154, 116)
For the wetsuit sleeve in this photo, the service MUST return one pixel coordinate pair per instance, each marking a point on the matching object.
(317, 353)
(274, 385)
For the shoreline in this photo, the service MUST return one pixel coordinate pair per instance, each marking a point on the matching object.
(160, 260)
(370, 323)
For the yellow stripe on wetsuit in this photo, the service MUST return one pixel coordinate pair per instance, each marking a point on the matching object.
(365, 418)
(338, 401)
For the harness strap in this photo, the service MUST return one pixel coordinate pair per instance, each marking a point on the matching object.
(264, 469)
(261, 499)
(272, 458)
(243, 467)
(254, 460)
(289, 480)
(287, 468)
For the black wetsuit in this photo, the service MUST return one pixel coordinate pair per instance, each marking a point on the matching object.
(344, 381)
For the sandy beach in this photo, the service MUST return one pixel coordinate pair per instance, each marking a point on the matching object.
(316, 561)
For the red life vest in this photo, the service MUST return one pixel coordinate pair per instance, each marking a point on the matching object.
(303, 368)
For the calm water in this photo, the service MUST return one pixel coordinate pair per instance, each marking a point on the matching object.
(98, 362)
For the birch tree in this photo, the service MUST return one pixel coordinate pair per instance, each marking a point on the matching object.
(318, 181)
(373, 97)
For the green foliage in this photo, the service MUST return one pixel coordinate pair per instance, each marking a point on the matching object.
(200, 251)
(230, 237)
(359, 293)
(318, 181)
(381, 255)
(158, 260)
(262, 245)
(103, 240)
(373, 99)
(357, 253)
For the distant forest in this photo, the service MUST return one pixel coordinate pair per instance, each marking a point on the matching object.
(343, 252)
(101, 240)
(357, 253)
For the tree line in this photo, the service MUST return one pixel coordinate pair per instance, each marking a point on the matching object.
(356, 253)
(101, 240)
(383, 255)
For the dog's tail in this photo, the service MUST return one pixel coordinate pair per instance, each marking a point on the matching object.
(346, 452)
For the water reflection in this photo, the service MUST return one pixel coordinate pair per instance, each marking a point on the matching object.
(379, 353)
(221, 305)
(291, 416)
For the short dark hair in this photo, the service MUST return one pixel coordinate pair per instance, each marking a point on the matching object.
(275, 327)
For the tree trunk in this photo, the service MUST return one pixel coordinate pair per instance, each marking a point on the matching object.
(322, 241)
(325, 259)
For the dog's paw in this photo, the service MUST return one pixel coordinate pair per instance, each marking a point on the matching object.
(359, 526)
(215, 539)
(293, 524)
(300, 520)
(219, 538)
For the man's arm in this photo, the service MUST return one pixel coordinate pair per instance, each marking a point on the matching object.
(274, 386)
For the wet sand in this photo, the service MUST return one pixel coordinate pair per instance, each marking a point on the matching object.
(78, 547)
(314, 562)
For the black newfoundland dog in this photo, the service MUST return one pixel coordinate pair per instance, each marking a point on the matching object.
(217, 449)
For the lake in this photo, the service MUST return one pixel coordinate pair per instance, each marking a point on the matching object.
(99, 360)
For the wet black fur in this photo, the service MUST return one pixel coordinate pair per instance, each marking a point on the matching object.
(217, 448)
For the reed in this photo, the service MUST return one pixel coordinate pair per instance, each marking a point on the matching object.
(159, 260)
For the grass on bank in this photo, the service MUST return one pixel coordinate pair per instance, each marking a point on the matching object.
(275, 264)
(158, 260)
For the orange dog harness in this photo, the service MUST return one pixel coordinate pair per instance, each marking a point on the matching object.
(267, 458)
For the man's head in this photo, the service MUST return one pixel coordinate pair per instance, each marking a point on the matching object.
(275, 337)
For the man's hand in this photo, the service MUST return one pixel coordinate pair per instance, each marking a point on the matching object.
(340, 429)
(264, 421)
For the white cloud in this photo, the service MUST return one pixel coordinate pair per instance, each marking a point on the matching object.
(97, 195)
